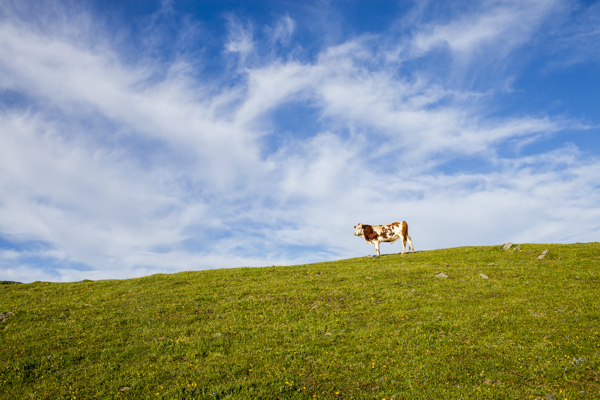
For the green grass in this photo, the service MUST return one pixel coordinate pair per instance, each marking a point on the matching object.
(359, 328)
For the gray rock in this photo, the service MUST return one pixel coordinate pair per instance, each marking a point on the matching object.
(5, 315)
(441, 275)
(517, 248)
(507, 246)
(543, 254)
(370, 256)
(484, 276)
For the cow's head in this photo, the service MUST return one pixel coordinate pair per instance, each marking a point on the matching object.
(359, 230)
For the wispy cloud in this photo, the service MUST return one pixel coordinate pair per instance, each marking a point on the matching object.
(283, 31)
(496, 26)
(241, 39)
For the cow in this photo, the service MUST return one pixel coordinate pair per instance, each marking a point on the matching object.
(375, 234)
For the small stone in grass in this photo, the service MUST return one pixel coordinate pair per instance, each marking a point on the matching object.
(5, 315)
(441, 275)
(507, 246)
(484, 276)
(543, 254)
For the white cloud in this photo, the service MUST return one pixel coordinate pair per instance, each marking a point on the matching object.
(240, 39)
(501, 26)
(283, 30)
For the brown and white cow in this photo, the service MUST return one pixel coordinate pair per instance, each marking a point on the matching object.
(375, 234)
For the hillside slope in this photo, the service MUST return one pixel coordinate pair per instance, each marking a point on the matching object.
(357, 328)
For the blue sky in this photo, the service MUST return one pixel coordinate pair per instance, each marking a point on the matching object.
(142, 137)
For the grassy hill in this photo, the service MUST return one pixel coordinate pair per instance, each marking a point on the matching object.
(361, 328)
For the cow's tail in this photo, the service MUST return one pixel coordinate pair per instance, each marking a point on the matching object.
(405, 229)
(407, 236)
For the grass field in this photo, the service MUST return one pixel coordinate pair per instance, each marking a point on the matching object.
(361, 328)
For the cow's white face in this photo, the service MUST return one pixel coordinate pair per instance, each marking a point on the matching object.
(359, 230)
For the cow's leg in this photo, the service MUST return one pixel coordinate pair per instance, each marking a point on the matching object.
(403, 244)
(377, 247)
(410, 243)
